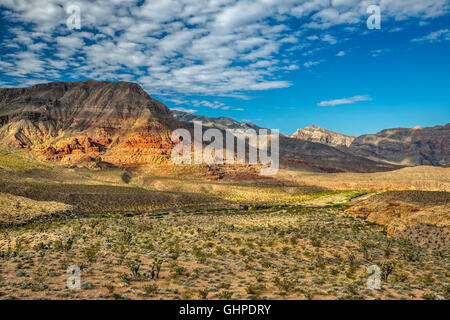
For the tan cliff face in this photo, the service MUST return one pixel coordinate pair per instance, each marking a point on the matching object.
(324, 136)
(112, 122)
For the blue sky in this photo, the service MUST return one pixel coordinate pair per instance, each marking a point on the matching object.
(282, 64)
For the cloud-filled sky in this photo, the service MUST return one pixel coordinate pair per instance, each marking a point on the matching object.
(279, 63)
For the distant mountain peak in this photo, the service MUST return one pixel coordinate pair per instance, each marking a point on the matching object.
(318, 134)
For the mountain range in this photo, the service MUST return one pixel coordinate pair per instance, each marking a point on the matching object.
(119, 124)
(295, 152)
(409, 147)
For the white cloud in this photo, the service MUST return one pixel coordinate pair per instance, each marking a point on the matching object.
(332, 103)
(208, 104)
(340, 54)
(211, 104)
(437, 36)
(397, 29)
(313, 37)
(330, 39)
(310, 64)
(24, 63)
(177, 101)
(379, 52)
(173, 47)
(184, 110)
(326, 38)
(270, 85)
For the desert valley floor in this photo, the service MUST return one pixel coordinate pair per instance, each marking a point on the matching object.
(153, 234)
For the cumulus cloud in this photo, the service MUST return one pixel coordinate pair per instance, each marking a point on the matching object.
(176, 47)
(336, 102)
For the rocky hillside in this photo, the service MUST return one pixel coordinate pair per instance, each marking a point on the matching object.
(324, 136)
(415, 146)
(88, 121)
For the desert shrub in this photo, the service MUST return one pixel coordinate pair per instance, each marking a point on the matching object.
(352, 288)
(315, 242)
(429, 296)
(199, 254)
(203, 293)
(388, 248)
(226, 295)
(156, 268)
(334, 271)
(110, 287)
(428, 279)
(91, 252)
(39, 279)
(224, 285)
(134, 265)
(351, 257)
(387, 267)
(187, 294)
(243, 252)
(284, 284)
(255, 289)
(351, 271)
(320, 261)
(126, 177)
(409, 251)
(125, 237)
(400, 277)
(174, 252)
(446, 291)
(150, 289)
(220, 251)
(364, 246)
(177, 271)
(60, 245)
